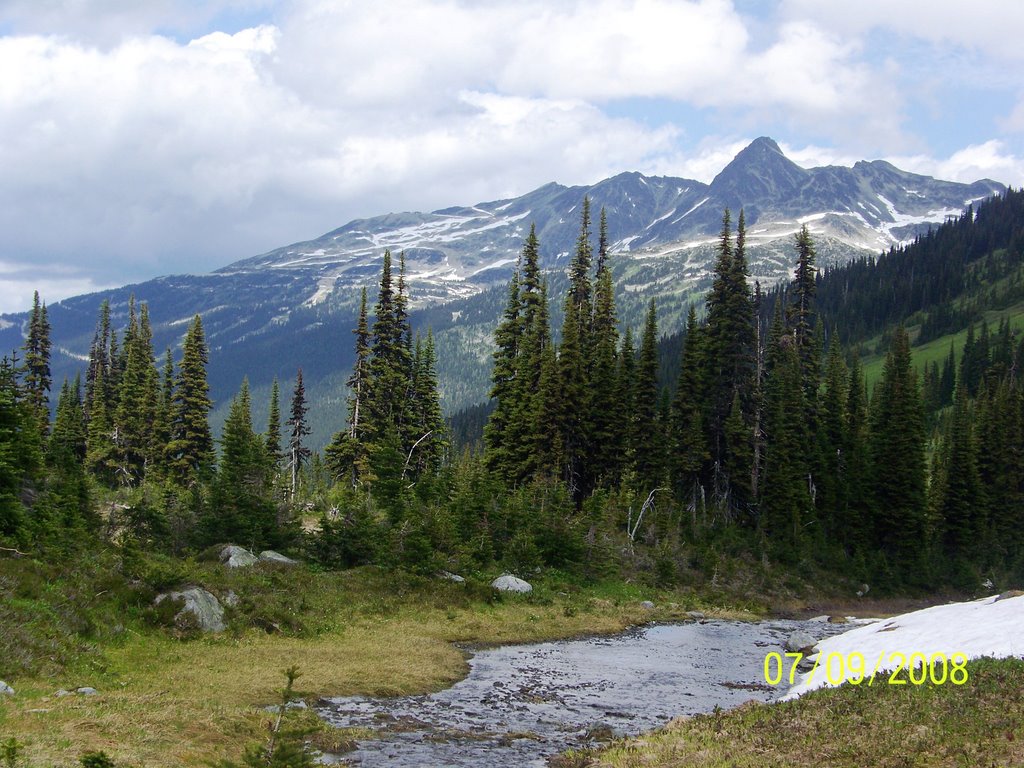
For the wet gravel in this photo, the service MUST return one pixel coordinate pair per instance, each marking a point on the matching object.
(521, 704)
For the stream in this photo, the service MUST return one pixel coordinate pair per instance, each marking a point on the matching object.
(521, 704)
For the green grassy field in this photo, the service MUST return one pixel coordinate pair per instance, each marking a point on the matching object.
(936, 350)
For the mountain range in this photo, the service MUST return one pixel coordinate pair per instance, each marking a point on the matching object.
(294, 306)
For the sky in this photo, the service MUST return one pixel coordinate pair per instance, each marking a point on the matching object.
(140, 139)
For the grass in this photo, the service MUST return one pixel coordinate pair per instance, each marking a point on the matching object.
(936, 350)
(978, 724)
(168, 700)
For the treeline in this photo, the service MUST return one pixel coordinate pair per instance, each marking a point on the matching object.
(766, 450)
(944, 279)
(770, 434)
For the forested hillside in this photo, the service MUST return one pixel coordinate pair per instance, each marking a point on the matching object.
(757, 441)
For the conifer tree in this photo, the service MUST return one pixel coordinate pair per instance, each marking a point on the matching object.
(604, 394)
(387, 412)
(832, 432)
(645, 460)
(690, 442)
(36, 369)
(99, 362)
(625, 427)
(274, 426)
(729, 346)
(429, 447)
(298, 430)
(785, 502)
(68, 438)
(504, 388)
(162, 423)
(190, 450)
(574, 364)
(347, 455)
(857, 513)
(136, 411)
(521, 439)
(960, 498)
(240, 510)
(898, 464)
(17, 439)
(100, 457)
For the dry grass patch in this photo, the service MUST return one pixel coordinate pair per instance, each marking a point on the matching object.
(167, 702)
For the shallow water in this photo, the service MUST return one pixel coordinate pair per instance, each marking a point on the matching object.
(521, 704)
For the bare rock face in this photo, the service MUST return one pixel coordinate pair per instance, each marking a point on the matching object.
(509, 583)
(206, 609)
(270, 556)
(237, 557)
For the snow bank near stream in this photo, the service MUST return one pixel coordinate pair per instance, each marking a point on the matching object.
(991, 626)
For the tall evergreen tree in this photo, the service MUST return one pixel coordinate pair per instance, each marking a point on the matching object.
(274, 426)
(36, 368)
(136, 411)
(604, 394)
(729, 347)
(298, 431)
(347, 455)
(690, 443)
(240, 509)
(785, 502)
(190, 450)
(898, 464)
(500, 454)
(642, 451)
(960, 501)
(68, 438)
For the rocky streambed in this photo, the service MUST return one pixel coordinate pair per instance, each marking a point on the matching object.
(519, 705)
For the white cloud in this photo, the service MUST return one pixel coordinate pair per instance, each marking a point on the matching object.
(141, 154)
(997, 26)
(987, 160)
(18, 283)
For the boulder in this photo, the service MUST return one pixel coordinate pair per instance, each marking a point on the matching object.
(87, 691)
(509, 583)
(696, 615)
(237, 557)
(838, 620)
(448, 575)
(800, 642)
(5, 689)
(647, 605)
(205, 607)
(270, 556)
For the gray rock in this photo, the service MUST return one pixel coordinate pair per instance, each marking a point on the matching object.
(800, 642)
(449, 576)
(230, 599)
(270, 556)
(87, 691)
(200, 603)
(5, 689)
(60, 693)
(696, 615)
(237, 557)
(1008, 594)
(647, 605)
(509, 583)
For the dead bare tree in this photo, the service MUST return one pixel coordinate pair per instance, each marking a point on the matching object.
(631, 527)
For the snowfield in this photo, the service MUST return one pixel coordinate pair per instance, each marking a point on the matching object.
(991, 626)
